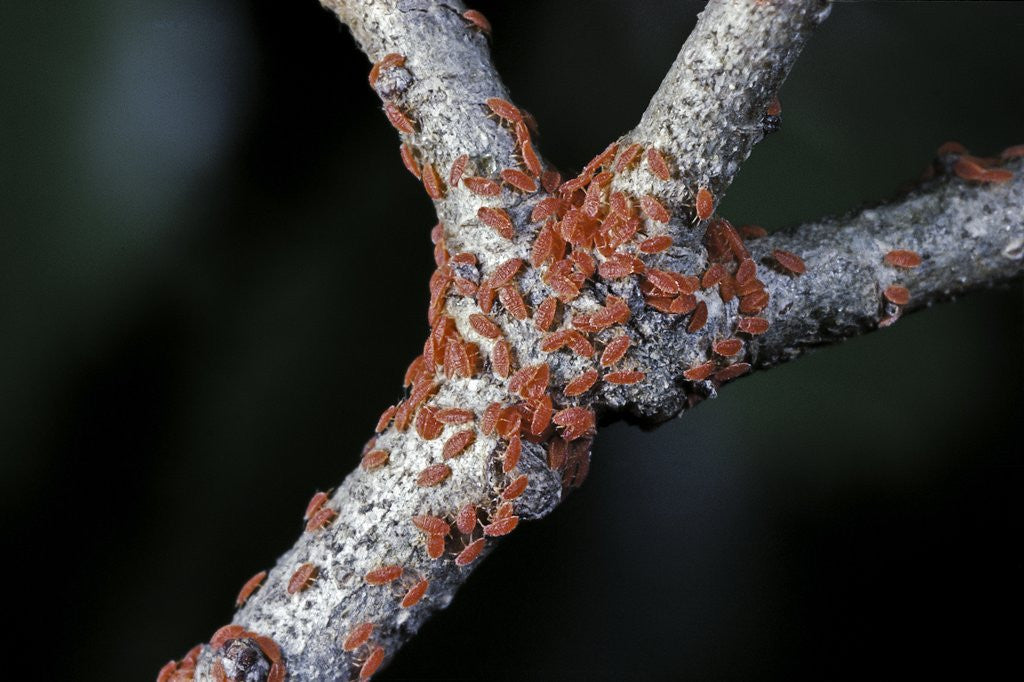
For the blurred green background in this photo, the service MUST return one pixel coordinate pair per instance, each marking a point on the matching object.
(214, 274)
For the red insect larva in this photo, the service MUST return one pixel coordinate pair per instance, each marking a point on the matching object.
(277, 672)
(497, 219)
(470, 553)
(455, 415)
(503, 511)
(700, 372)
(997, 175)
(457, 444)
(530, 158)
(662, 304)
(465, 520)
(752, 231)
(542, 411)
(657, 164)
(733, 239)
(509, 422)
(512, 454)
(501, 359)
(302, 578)
(432, 182)
(754, 303)
(520, 180)
(387, 61)
(385, 418)
(655, 244)
(774, 107)
(513, 302)
(967, 169)
(415, 594)
(789, 261)
(615, 350)
(409, 160)
(627, 157)
(373, 662)
(485, 296)
(435, 545)
(550, 180)
(713, 275)
(432, 525)
(357, 636)
(269, 648)
(321, 519)
(225, 633)
(902, 258)
(653, 209)
(1014, 152)
(165, 673)
(522, 379)
(383, 575)
(547, 207)
(746, 272)
(705, 203)
(602, 159)
(897, 294)
(428, 426)
(584, 262)
(544, 315)
(950, 148)
(398, 119)
(457, 169)
(575, 421)
(682, 304)
(583, 383)
(484, 326)
(484, 187)
(731, 372)
(314, 505)
(375, 459)
(504, 273)
(504, 109)
(727, 347)
(435, 474)
(624, 377)
(477, 18)
(662, 281)
(557, 453)
(489, 419)
(699, 318)
(217, 670)
(516, 488)
(249, 587)
(501, 527)
(752, 325)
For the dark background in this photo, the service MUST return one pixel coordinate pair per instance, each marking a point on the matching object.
(214, 274)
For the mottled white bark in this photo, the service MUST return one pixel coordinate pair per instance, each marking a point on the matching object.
(706, 117)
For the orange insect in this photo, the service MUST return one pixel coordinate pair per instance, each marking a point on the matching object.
(249, 587)
(627, 157)
(457, 444)
(544, 315)
(727, 347)
(302, 578)
(458, 167)
(321, 519)
(409, 160)
(752, 231)
(276, 672)
(700, 372)
(314, 505)
(657, 164)
(224, 634)
(513, 302)
(624, 377)
(385, 418)
(752, 325)
(754, 303)
(653, 209)
(501, 359)
(465, 520)
(519, 180)
(484, 187)
(358, 636)
(615, 350)
(432, 525)
(501, 527)
(897, 294)
(427, 425)
(432, 182)
(655, 244)
(435, 546)
(516, 488)
(746, 272)
(512, 454)
(383, 575)
(470, 553)
(484, 326)
(705, 203)
(575, 421)
(582, 383)
(497, 219)
(435, 474)
(902, 258)
(477, 18)
(530, 158)
(415, 594)
(373, 662)
(504, 110)
(504, 273)
(731, 372)
(713, 275)
(398, 119)
(454, 415)
(699, 319)
(387, 61)
(375, 459)
(789, 261)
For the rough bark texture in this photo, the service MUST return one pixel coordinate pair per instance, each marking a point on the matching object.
(706, 118)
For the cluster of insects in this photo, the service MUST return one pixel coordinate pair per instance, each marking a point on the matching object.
(580, 231)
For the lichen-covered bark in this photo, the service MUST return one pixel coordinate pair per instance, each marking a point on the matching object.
(705, 118)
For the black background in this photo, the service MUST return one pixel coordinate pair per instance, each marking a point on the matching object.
(215, 273)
